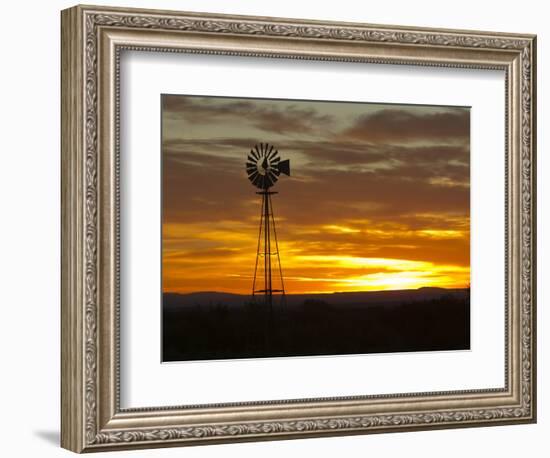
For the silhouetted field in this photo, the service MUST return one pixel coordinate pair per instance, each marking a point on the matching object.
(205, 326)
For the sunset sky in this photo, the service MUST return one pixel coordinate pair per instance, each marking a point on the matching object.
(378, 197)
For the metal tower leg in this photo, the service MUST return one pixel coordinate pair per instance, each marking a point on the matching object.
(277, 249)
(258, 248)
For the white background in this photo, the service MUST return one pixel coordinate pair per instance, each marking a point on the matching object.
(147, 75)
(29, 246)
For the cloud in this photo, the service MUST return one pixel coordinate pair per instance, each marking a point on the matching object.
(206, 180)
(265, 115)
(399, 125)
(418, 162)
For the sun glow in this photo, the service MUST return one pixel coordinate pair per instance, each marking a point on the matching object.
(353, 262)
(191, 251)
(375, 274)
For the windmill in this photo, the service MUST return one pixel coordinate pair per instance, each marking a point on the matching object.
(263, 167)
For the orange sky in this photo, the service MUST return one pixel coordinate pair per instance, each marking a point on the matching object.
(378, 196)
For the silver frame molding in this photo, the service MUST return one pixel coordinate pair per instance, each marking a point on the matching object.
(92, 40)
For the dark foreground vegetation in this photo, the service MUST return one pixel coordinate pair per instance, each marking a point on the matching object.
(221, 326)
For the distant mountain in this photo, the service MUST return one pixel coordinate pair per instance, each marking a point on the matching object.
(363, 298)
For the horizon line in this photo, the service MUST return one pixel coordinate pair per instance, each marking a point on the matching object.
(318, 292)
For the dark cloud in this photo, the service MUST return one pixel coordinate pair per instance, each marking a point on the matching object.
(404, 125)
(181, 145)
(265, 115)
(202, 192)
(418, 162)
(384, 195)
(428, 160)
(202, 183)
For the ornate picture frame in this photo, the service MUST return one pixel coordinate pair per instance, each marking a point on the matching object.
(93, 39)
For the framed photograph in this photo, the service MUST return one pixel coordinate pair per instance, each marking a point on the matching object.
(384, 267)
(278, 228)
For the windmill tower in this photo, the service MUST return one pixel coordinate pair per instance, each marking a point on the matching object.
(263, 167)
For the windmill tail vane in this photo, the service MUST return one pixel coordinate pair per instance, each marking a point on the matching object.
(264, 167)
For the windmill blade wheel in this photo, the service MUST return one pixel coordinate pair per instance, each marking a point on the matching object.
(263, 166)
